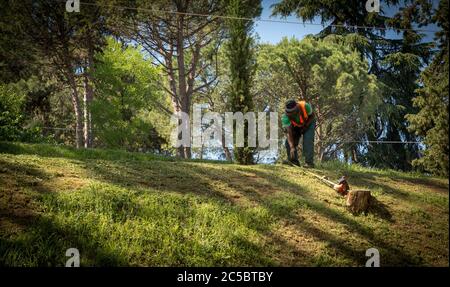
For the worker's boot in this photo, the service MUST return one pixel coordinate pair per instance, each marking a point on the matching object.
(291, 162)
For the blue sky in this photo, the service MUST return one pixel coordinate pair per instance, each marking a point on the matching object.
(274, 32)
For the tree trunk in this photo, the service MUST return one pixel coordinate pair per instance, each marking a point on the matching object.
(187, 152)
(180, 149)
(358, 201)
(226, 150)
(78, 118)
(87, 99)
(182, 87)
(320, 144)
(88, 94)
(228, 154)
(354, 155)
(77, 110)
(180, 152)
(70, 76)
(46, 122)
(167, 39)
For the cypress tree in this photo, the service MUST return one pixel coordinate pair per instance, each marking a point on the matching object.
(240, 53)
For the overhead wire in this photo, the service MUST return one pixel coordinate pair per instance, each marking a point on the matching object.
(251, 19)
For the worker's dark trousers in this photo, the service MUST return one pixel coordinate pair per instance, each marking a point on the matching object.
(308, 143)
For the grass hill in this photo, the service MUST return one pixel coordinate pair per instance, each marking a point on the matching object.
(129, 209)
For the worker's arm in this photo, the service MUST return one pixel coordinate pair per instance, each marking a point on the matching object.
(286, 124)
(290, 137)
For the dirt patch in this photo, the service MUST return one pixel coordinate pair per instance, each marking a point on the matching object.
(59, 184)
(17, 210)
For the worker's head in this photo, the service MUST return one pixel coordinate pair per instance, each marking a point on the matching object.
(291, 108)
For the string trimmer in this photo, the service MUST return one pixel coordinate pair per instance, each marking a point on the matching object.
(356, 200)
(340, 187)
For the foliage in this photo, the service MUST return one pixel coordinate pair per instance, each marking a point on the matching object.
(18, 121)
(124, 113)
(17, 54)
(240, 54)
(11, 117)
(395, 60)
(46, 57)
(175, 42)
(331, 76)
(431, 121)
(58, 44)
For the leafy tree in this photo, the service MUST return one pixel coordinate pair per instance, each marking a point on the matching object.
(11, 117)
(17, 54)
(124, 111)
(20, 105)
(174, 40)
(331, 76)
(61, 45)
(397, 63)
(431, 122)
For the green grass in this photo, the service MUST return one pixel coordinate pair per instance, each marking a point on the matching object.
(130, 209)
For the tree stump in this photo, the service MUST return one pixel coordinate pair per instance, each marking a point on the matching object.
(358, 201)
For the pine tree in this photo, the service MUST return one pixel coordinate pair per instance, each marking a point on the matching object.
(395, 62)
(431, 122)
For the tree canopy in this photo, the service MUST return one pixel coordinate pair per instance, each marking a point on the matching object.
(112, 74)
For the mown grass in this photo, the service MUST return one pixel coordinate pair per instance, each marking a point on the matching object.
(131, 209)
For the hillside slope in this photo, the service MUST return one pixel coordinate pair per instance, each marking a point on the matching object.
(130, 209)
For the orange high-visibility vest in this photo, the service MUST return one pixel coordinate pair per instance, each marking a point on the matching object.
(303, 114)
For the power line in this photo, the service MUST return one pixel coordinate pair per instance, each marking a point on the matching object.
(364, 141)
(252, 19)
(379, 142)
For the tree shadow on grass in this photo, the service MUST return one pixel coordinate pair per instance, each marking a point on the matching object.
(414, 197)
(443, 187)
(28, 237)
(393, 254)
(380, 210)
(254, 191)
(45, 243)
(157, 176)
(42, 241)
(191, 178)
